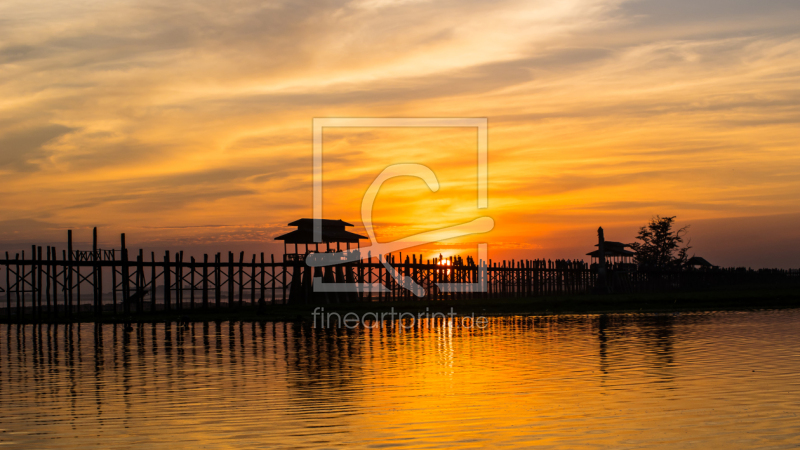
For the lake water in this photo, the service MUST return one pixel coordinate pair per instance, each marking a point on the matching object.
(701, 380)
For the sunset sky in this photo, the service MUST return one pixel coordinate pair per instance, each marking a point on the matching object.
(188, 125)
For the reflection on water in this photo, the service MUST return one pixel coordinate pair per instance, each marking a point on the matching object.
(725, 380)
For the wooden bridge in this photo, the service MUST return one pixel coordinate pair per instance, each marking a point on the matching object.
(45, 284)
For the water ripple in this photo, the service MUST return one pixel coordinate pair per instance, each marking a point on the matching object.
(701, 380)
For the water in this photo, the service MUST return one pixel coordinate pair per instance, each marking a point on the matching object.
(706, 380)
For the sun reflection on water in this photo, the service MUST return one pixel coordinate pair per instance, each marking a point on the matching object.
(701, 380)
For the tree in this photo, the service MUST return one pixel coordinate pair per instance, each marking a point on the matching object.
(660, 246)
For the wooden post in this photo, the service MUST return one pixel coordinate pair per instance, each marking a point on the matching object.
(602, 286)
(205, 281)
(264, 279)
(283, 275)
(527, 279)
(217, 280)
(69, 273)
(241, 277)
(40, 271)
(126, 307)
(361, 281)
(451, 277)
(380, 278)
(413, 270)
(179, 280)
(360, 278)
(100, 283)
(114, 281)
(77, 272)
(192, 268)
(230, 280)
(435, 278)
(32, 282)
(369, 274)
(392, 294)
(54, 262)
(153, 282)
(485, 277)
(489, 285)
(139, 283)
(47, 287)
(253, 281)
(8, 288)
(167, 283)
(95, 268)
(65, 280)
(16, 285)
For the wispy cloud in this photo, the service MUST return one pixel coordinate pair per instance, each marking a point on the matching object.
(142, 114)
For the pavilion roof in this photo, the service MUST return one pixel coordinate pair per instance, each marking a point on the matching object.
(698, 261)
(612, 249)
(332, 231)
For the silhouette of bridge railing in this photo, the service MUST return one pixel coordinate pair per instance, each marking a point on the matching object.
(99, 282)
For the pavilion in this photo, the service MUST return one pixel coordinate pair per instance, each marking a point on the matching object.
(333, 236)
(615, 253)
(696, 262)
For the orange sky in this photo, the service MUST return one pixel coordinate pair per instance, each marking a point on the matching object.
(188, 125)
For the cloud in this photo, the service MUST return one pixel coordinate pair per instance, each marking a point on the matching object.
(24, 151)
(141, 113)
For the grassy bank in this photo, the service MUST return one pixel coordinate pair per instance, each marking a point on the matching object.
(735, 298)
